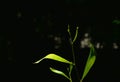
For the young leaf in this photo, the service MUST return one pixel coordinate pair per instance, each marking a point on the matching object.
(54, 57)
(76, 34)
(90, 61)
(59, 72)
(71, 67)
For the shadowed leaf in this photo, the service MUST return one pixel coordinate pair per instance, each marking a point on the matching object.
(90, 61)
(59, 72)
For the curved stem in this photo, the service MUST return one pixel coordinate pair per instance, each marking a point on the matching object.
(73, 55)
(72, 46)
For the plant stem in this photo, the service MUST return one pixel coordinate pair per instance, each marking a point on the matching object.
(70, 79)
(73, 54)
(74, 61)
(80, 80)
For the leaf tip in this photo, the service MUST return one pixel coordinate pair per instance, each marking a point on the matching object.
(36, 62)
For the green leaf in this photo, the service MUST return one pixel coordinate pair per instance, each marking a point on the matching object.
(54, 57)
(59, 72)
(90, 61)
(76, 34)
(71, 67)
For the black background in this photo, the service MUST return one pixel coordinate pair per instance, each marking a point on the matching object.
(25, 30)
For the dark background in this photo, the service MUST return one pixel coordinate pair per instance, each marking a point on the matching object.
(31, 30)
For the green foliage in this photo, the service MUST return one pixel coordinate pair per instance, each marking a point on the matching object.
(54, 57)
(59, 72)
(76, 34)
(90, 61)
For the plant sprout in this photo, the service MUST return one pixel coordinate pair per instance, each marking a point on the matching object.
(89, 63)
